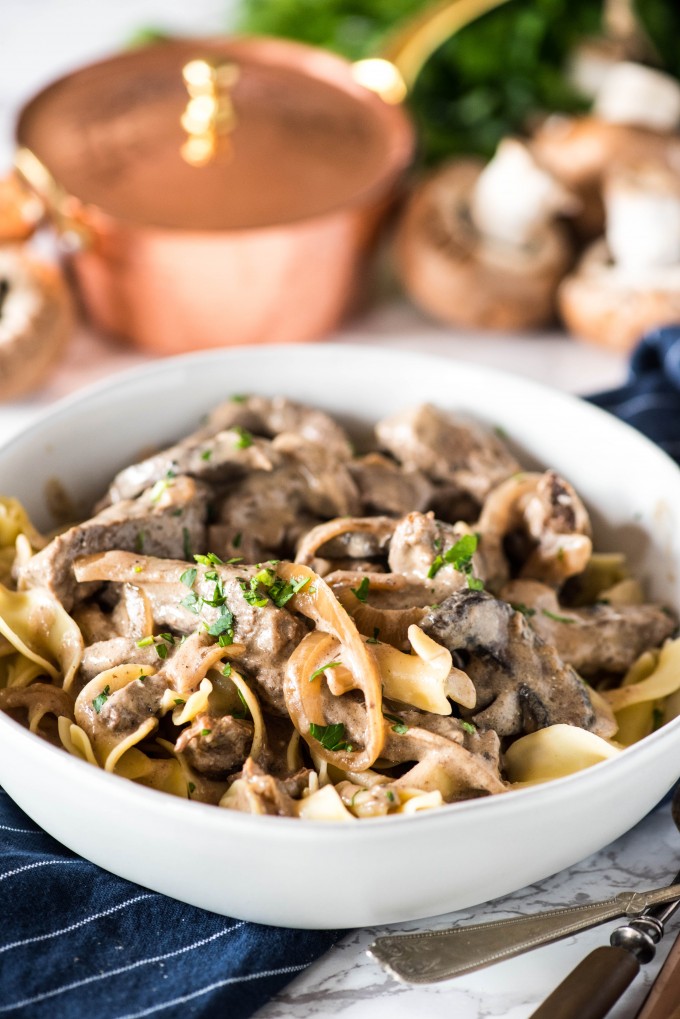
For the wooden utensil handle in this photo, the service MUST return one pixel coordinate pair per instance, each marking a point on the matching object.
(663, 1001)
(593, 987)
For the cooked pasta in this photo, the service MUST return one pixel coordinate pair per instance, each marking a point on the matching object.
(262, 619)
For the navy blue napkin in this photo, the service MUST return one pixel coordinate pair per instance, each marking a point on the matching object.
(77, 942)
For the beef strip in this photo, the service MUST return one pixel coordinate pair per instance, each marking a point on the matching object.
(448, 449)
(595, 639)
(386, 487)
(107, 654)
(216, 747)
(270, 416)
(255, 792)
(417, 541)
(268, 633)
(161, 523)
(521, 683)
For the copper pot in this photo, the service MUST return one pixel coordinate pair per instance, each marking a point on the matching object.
(225, 191)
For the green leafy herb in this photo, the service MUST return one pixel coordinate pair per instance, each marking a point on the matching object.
(399, 727)
(331, 737)
(361, 592)
(468, 726)
(558, 619)
(189, 576)
(139, 541)
(101, 699)
(206, 454)
(500, 431)
(162, 650)
(460, 557)
(374, 638)
(170, 473)
(320, 672)
(158, 489)
(225, 639)
(205, 732)
(208, 560)
(186, 540)
(192, 602)
(389, 795)
(177, 512)
(524, 609)
(236, 540)
(191, 787)
(252, 594)
(178, 700)
(281, 591)
(226, 669)
(238, 398)
(245, 439)
(145, 642)
(138, 569)
(223, 625)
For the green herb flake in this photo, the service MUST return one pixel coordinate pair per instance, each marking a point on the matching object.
(474, 583)
(399, 727)
(162, 650)
(225, 639)
(205, 732)
(556, 618)
(331, 737)
(145, 642)
(361, 592)
(208, 560)
(244, 439)
(223, 625)
(226, 670)
(206, 454)
(101, 699)
(390, 796)
(252, 594)
(238, 398)
(468, 727)
(191, 787)
(236, 540)
(138, 569)
(186, 541)
(281, 591)
(177, 512)
(320, 672)
(159, 490)
(500, 432)
(179, 700)
(524, 609)
(192, 603)
(189, 576)
(460, 557)
(139, 541)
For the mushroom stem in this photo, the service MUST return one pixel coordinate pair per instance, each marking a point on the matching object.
(638, 95)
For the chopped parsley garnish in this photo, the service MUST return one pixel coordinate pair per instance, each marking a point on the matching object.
(500, 432)
(223, 626)
(179, 700)
(189, 576)
(252, 594)
(361, 592)
(524, 609)
(192, 602)
(236, 540)
(390, 796)
(245, 439)
(177, 512)
(331, 737)
(206, 454)
(399, 727)
(225, 639)
(162, 650)
(320, 672)
(374, 638)
(205, 732)
(245, 712)
(101, 699)
(558, 619)
(138, 569)
(170, 473)
(186, 539)
(238, 398)
(226, 670)
(468, 726)
(281, 591)
(191, 787)
(145, 642)
(460, 557)
(139, 541)
(208, 560)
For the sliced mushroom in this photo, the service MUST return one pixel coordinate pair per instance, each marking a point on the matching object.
(548, 521)
(594, 639)
(418, 549)
(386, 487)
(463, 275)
(521, 683)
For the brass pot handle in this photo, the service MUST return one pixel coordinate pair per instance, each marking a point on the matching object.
(60, 207)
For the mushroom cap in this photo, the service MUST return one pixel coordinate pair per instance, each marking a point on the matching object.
(462, 278)
(580, 150)
(604, 305)
(36, 326)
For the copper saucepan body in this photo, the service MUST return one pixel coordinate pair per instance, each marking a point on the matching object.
(229, 190)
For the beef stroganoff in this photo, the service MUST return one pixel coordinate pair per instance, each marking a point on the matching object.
(260, 618)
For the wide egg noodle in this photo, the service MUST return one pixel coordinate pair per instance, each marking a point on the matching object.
(108, 747)
(661, 683)
(554, 752)
(39, 627)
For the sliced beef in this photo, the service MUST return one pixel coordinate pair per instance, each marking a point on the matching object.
(598, 638)
(271, 416)
(166, 522)
(521, 683)
(448, 449)
(216, 747)
(107, 654)
(269, 634)
(386, 487)
(418, 543)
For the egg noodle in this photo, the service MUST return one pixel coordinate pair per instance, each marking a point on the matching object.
(262, 619)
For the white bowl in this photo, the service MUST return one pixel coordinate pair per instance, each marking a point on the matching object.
(305, 874)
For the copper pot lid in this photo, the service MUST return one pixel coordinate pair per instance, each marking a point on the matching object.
(290, 135)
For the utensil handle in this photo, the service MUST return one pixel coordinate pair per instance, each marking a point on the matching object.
(593, 987)
(430, 957)
(663, 1000)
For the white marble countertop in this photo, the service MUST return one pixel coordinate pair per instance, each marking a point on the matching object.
(41, 39)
